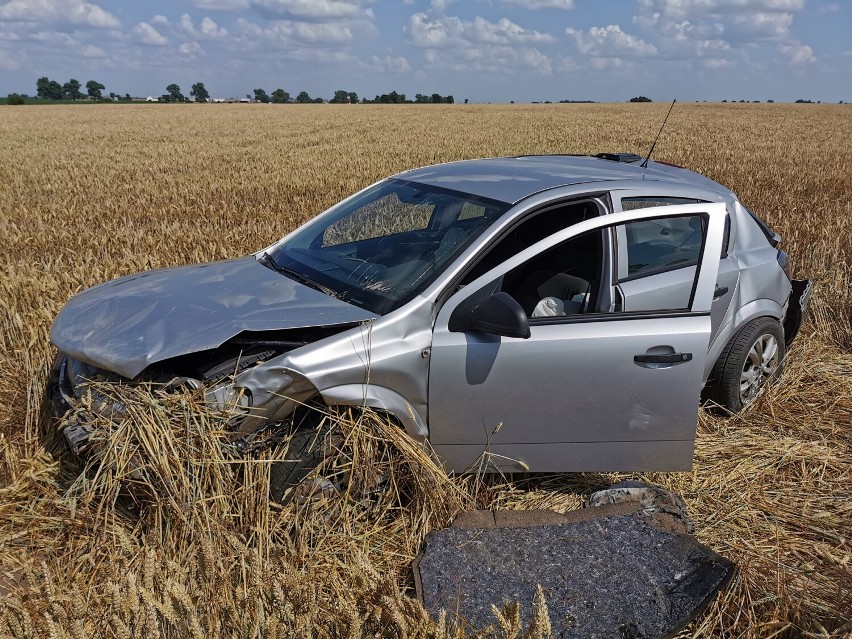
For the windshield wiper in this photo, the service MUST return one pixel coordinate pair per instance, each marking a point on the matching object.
(267, 260)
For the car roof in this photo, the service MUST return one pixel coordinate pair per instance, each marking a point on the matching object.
(511, 179)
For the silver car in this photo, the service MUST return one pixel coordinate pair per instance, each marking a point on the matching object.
(567, 312)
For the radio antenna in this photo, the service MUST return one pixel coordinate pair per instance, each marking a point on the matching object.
(644, 164)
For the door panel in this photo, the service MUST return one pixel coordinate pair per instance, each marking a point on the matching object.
(574, 385)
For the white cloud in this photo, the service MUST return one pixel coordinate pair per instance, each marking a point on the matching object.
(221, 5)
(610, 42)
(8, 64)
(724, 33)
(496, 60)
(450, 31)
(7, 34)
(568, 64)
(207, 30)
(287, 32)
(54, 38)
(324, 56)
(310, 9)
(392, 64)
(74, 12)
(760, 26)
(540, 4)
(160, 19)
(146, 34)
(715, 64)
(798, 55)
(683, 9)
(91, 51)
(190, 50)
(212, 30)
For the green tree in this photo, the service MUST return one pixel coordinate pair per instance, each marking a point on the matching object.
(14, 98)
(261, 96)
(71, 90)
(41, 87)
(173, 94)
(48, 89)
(303, 97)
(279, 96)
(344, 97)
(94, 88)
(641, 98)
(55, 90)
(199, 92)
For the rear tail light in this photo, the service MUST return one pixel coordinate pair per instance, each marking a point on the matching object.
(784, 261)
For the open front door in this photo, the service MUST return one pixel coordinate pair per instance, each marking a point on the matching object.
(596, 386)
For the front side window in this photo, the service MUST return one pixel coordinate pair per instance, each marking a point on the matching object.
(383, 247)
(560, 281)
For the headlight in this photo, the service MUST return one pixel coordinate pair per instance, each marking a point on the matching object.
(228, 396)
(80, 376)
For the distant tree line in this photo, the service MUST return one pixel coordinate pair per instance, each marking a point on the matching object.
(562, 102)
(47, 89)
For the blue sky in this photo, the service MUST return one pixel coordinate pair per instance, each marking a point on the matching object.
(482, 50)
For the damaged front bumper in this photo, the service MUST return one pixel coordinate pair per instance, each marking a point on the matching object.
(78, 401)
(70, 381)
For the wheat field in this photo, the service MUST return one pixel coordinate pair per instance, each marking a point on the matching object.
(89, 193)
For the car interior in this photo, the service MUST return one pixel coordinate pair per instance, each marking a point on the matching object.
(562, 280)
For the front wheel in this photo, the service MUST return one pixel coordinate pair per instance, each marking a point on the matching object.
(753, 357)
(294, 478)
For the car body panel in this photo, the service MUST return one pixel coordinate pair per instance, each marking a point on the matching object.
(129, 323)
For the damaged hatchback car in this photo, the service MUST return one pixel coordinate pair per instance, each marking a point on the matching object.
(583, 304)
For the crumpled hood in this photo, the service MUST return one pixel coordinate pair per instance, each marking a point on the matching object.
(129, 323)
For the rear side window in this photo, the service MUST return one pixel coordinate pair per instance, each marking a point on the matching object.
(646, 202)
(663, 244)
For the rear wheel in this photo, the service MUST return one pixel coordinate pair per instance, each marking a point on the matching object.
(751, 359)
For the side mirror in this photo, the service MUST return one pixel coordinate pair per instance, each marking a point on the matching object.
(500, 314)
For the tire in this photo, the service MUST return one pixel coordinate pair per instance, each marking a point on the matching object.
(307, 450)
(753, 357)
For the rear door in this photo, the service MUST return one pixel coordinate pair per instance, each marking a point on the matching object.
(592, 389)
(641, 293)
